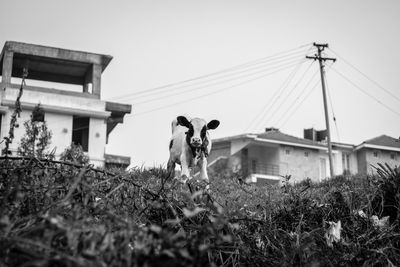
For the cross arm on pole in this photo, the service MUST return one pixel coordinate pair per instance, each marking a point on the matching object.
(322, 58)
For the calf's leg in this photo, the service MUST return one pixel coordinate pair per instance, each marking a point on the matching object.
(171, 168)
(185, 171)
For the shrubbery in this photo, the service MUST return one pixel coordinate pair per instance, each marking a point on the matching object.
(54, 214)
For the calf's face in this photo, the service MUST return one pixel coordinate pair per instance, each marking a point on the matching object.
(197, 133)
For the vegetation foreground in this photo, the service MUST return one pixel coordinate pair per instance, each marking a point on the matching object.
(58, 214)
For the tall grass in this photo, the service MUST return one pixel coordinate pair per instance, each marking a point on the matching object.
(53, 214)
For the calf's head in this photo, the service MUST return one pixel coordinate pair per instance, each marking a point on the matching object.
(197, 133)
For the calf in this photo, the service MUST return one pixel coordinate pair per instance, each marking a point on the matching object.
(190, 145)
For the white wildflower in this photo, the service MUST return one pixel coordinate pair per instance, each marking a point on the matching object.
(380, 223)
(333, 233)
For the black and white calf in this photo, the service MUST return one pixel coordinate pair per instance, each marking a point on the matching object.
(190, 145)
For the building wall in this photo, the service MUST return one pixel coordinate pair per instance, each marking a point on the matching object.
(295, 163)
(362, 161)
(237, 145)
(97, 141)
(54, 99)
(61, 129)
(339, 167)
(299, 166)
(382, 157)
(266, 160)
(219, 150)
(264, 155)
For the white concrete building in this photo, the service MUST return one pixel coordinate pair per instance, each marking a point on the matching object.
(69, 92)
(269, 156)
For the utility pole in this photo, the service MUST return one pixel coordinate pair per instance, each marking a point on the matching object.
(322, 60)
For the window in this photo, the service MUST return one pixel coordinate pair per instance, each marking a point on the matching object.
(346, 163)
(287, 151)
(80, 132)
(393, 156)
(306, 154)
(375, 154)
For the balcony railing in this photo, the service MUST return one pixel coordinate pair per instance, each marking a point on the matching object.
(266, 169)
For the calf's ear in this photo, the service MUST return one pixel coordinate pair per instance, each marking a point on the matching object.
(183, 121)
(212, 124)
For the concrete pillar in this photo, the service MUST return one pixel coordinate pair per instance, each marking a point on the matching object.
(88, 80)
(7, 67)
(97, 141)
(96, 79)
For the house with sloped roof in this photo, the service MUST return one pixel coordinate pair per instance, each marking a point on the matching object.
(67, 85)
(381, 149)
(269, 156)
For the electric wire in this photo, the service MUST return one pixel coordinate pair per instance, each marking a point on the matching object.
(212, 84)
(281, 58)
(288, 95)
(212, 74)
(293, 103)
(276, 97)
(368, 78)
(299, 105)
(208, 94)
(218, 79)
(304, 99)
(366, 93)
(265, 108)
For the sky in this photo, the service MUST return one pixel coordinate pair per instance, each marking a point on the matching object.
(260, 47)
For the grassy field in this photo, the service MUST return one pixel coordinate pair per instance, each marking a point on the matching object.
(54, 214)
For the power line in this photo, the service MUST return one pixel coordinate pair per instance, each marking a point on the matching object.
(279, 57)
(304, 99)
(366, 93)
(207, 81)
(212, 84)
(293, 103)
(208, 94)
(290, 92)
(368, 78)
(264, 111)
(299, 105)
(277, 96)
(265, 107)
(212, 74)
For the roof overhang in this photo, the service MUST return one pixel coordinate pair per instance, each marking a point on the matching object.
(345, 146)
(231, 138)
(51, 63)
(389, 148)
(253, 137)
(58, 109)
(118, 112)
(290, 144)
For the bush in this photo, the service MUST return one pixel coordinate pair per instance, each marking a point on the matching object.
(36, 140)
(75, 154)
(387, 199)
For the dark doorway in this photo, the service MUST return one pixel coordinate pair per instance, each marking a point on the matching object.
(80, 132)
